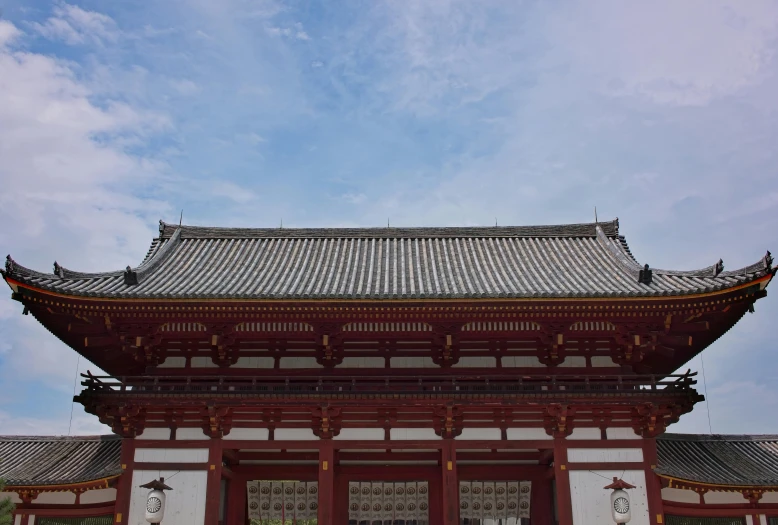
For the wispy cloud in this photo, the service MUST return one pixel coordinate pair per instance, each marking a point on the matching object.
(75, 25)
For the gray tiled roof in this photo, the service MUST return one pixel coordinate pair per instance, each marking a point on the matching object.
(719, 460)
(62, 460)
(576, 260)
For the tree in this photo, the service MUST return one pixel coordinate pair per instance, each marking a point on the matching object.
(6, 508)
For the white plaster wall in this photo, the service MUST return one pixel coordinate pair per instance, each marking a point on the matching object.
(725, 497)
(480, 433)
(412, 362)
(476, 362)
(57, 498)
(680, 495)
(573, 361)
(521, 361)
(254, 362)
(14, 497)
(585, 433)
(18, 519)
(362, 362)
(769, 497)
(203, 362)
(527, 433)
(294, 434)
(621, 433)
(172, 455)
(299, 362)
(184, 505)
(360, 433)
(591, 503)
(173, 362)
(31, 520)
(194, 434)
(98, 496)
(749, 519)
(603, 455)
(762, 519)
(602, 361)
(155, 433)
(412, 434)
(247, 433)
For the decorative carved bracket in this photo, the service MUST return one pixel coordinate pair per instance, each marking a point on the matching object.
(127, 420)
(552, 343)
(449, 422)
(142, 341)
(445, 343)
(217, 422)
(558, 421)
(652, 420)
(326, 422)
(753, 496)
(329, 344)
(224, 345)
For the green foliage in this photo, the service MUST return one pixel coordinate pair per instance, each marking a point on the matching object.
(6, 508)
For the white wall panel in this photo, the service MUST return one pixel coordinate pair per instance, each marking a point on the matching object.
(193, 434)
(585, 433)
(769, 497)
(527, 433)
(360, 433)
(203, 362)
(18, 519)
(405, 434)
(476, 362)
(185, 504)
(573, 361)
(762, 519)
(603, 455)
(172, 455)
(362, 362)
(56, 498)
(680, 495)
(603, 361)
(749, 519)
(621, 433)
(31, 519)
(299, 362)
(725, 497)
(98, 496)
(591, 503)
(412, 362)
(294, 434)
(156, 433)
(176, 361)
(522, 361)
(480, 433)
(255, 362)
(247, 433)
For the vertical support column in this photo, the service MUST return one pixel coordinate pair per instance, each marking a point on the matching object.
(124, 488)
(449, 489)
(236, 501)
(542, 502)
(213, 486)
(653, 487)
(564, 500)
(326, 482)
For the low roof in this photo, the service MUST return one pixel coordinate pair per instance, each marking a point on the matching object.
(564, 261)
(724, 460)
(60, 460)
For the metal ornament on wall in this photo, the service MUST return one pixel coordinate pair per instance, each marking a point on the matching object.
(155, 500)
(620, 503)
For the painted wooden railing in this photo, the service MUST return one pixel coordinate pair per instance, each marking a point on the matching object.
(320, 385)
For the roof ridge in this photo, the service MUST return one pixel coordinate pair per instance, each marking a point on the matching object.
(611, 229)
(718, 437)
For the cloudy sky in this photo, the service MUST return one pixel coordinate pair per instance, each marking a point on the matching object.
(114, 115)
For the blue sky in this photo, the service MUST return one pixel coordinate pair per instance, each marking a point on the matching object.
(116, 114)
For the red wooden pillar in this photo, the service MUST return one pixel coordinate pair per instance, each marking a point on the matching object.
(653, 487)
(542, 502)
(236, 501)
(124, 487)
(564, 501)
(213, 486)
(326, 482)
(449, 488)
